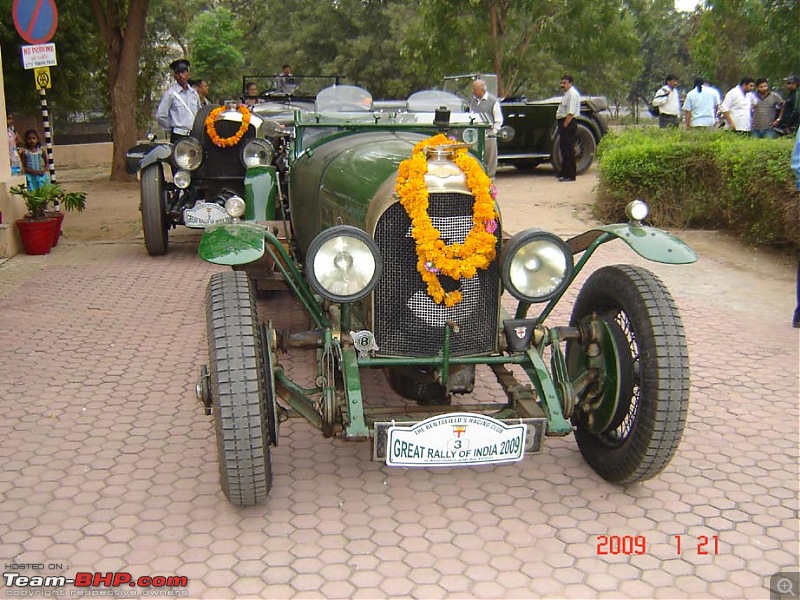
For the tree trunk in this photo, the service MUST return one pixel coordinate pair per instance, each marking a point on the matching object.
(122, 35)
(498, 13)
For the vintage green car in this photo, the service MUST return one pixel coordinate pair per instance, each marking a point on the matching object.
(396, 253)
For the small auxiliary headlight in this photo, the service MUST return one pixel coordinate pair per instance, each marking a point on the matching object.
(257, 153)
(182, 179)
(470, 136)
(234, 206)
(188, 154)
(535, 265)
(343, 264)
(637, 211)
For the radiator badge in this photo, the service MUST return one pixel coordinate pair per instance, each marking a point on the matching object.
(364, 341)
(521, 332)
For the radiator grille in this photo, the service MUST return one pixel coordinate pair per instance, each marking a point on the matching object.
(407, 321)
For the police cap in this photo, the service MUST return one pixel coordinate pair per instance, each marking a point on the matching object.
(180, 65)
(792, 79)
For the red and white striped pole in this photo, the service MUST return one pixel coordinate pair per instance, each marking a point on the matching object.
(48, 138)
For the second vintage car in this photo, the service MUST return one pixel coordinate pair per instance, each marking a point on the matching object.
(188, 183)
(532, 139)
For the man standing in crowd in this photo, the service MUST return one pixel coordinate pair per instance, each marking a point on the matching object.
(700, 106)
(568, 110)
(737, 106)
(668, 103)
(179, 104)
(767, 104)
(201, 87)
(483, 102)
(789, 118)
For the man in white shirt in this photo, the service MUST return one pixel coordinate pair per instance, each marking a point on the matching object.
(483, 102)
(737, 105)
(668, 103)
(566, 115)
(179, 104)
(700, 106)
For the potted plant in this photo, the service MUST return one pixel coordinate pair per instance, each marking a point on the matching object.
(40, 232)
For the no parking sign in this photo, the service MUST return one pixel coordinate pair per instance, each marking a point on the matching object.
(35, 20)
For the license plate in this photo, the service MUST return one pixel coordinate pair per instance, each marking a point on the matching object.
(203, 214)
(459, 439)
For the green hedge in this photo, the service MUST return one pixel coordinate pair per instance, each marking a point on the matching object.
(702, 179)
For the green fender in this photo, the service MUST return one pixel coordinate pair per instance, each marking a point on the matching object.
(232, 243)
(651, 243)
(260, 189)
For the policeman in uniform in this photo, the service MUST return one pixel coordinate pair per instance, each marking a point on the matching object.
(180, 103)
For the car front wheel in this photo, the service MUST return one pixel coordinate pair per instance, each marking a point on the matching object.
(629, 425)
(239, 389)
(154, 210)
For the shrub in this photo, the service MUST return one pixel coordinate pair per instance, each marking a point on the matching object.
(707, 179)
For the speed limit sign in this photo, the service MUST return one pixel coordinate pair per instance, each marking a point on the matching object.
(42, 77)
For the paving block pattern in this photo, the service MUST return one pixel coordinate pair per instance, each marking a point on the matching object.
(109, 464)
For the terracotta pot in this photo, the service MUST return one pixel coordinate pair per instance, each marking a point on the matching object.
(37, 236)
(59, 217)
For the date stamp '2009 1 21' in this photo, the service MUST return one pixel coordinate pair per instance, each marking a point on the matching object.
(637, 544)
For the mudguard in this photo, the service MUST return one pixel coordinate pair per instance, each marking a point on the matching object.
(143, 155)
(648, 242)
(260, 188)
(232, 243)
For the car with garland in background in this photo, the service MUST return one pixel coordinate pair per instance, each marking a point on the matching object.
(397, 254)
(188, 183)
(530, 135)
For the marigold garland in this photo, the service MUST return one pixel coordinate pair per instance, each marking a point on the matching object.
(433, 256)
(211, 128)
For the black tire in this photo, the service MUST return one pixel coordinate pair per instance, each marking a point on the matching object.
(238, 389)
(154, 210)
(526, 165)
(199, 126)
(647, 426)
(585, 149)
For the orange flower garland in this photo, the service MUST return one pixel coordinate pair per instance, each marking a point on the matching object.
(433, 256)
(211, 128)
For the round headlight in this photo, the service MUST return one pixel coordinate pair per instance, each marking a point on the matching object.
(343, 264)
(234, 206)
(182, 179)
(188, 154)
(257, 153)
(535, 265)
(470, 136)
(637, 211)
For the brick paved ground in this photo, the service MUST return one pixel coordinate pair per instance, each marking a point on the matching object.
(110, 465)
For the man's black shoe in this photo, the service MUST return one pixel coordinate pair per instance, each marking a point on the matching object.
(562, 179)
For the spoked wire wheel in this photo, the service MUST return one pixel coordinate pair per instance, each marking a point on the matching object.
(629, 429)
